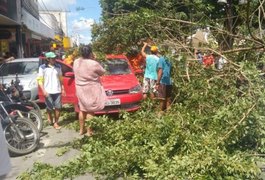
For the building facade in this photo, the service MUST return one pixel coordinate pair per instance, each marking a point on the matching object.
(10, 28)
(58, 20)
(22, 34)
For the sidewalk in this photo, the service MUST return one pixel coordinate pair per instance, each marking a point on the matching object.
(51, 142)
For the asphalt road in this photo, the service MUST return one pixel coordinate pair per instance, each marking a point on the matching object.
(51, 141)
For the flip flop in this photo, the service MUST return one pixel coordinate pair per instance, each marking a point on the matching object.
(50, 123)
(57, 127)
(89, 132)
(82, 133)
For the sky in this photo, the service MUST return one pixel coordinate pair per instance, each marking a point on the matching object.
(81, 15)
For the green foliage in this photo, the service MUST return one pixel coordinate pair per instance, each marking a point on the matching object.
(45, 171)
(211, 131)
(127, 23)
(61, 151)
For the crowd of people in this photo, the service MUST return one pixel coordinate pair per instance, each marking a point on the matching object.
(87, 81)
(156, 83)
(157, 80)
(209, 59)
(87, 69)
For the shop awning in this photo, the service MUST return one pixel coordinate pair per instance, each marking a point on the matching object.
(7, 21)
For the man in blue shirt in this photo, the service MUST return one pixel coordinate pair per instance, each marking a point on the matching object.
(164, 84)
(150, 74)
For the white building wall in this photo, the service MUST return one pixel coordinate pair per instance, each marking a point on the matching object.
(36, 26)
(51, 21)
(62, 19)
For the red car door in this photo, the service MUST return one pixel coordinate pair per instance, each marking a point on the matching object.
(69, 83)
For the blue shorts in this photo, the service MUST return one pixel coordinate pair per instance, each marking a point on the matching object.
(53, 101)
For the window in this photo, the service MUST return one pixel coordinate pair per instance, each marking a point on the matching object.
(21, 68)
(116, 66)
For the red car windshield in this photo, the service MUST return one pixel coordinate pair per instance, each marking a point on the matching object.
(116, 66)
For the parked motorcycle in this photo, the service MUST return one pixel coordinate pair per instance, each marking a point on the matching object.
(16, 94)
(13, 93)
(21, 134)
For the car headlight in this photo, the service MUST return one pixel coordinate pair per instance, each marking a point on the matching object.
(135, 89)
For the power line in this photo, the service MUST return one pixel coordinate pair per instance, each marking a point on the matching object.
(61, 6)
(49, 12)
(32, 9)
(57, 11)
(44, 6)
(52, 12)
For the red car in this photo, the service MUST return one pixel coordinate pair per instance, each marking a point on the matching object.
(122, 88)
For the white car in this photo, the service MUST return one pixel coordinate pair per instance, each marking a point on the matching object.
(26, 69)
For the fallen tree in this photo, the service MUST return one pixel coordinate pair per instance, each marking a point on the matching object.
(215, 128)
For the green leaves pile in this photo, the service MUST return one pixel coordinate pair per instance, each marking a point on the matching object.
(214, 130)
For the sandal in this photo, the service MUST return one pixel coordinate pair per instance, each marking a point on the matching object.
(89, 132)
(56, 126)
(82, 132)
(50, 123)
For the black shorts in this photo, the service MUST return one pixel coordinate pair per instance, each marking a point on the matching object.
(164, 91)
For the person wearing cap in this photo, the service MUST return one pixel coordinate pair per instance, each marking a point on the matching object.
(150, 74)
(50, 81)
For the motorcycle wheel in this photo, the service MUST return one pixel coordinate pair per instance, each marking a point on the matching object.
(18, 145)
(35, 107)
(34, 116)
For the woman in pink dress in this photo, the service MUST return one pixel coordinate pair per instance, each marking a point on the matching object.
(89, 91)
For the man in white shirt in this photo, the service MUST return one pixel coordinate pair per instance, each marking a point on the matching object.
(50, 80)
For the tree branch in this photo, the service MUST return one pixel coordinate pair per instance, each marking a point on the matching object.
(245, 115)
